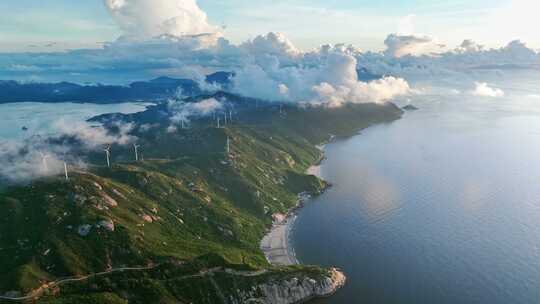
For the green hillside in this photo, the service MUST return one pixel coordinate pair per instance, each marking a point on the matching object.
(188, 207)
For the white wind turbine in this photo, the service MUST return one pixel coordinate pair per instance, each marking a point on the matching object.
(44, 158)
(218, 122)
(66, 170)
(228, 145)
(65, 165)
(225, 116)
(136, 149)
(230, 116)
(108, 154)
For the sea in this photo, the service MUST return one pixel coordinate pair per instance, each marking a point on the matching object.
(21, 120)
(441, 206)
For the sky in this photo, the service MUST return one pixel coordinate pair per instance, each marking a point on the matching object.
(283, 51)
(29, 25)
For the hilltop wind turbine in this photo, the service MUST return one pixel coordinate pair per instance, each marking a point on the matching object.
(225, 118)
(218, 125)
(230, 116)
(66, 170)
(136, 148)
(228, 145)
(44, 161)
(108, 154)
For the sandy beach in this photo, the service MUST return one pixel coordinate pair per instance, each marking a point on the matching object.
(314, 170)
(275, 245)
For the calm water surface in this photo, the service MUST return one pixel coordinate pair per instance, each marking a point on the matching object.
(40, 117)
(442, 206)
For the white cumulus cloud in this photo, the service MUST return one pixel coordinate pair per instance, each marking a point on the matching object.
(484, 90)
(402, 45)
(183, 111)
(143, 19)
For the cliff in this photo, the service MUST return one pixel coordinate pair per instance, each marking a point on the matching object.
(295, 290)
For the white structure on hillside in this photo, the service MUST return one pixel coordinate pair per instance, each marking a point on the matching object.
(108, 154)
(44, 158)
(136, 149)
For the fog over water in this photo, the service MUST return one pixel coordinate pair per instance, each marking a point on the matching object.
(442, 206)
(40, 117)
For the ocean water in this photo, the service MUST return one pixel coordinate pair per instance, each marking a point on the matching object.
(442, 206)
(40, 117)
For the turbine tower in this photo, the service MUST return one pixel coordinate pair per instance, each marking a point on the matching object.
(66, 170)
(225, 116)
(228, 145)
(44, 161)
(108, 154)
(136, 148)
(218, 125)
(230, 116)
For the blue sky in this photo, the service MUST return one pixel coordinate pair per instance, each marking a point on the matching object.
(365, 23)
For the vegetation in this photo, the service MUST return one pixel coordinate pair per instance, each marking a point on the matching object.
(188, 207)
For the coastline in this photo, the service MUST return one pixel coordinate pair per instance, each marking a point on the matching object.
(276, 243)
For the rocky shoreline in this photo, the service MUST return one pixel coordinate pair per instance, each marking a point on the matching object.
(276, 248)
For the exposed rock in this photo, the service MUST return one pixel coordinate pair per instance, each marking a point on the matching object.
(77, 198)
(295, 290)
(109, 201)
(84, 230)
(279, 218)
(119, 193)
(147, 218)
(143, 182)
(106, 224)
(98, 186)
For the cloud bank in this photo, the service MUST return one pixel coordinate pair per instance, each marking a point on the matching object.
(144, 19)
(40, 156)
(183, 111)
(401, 45)
(484, 90)
(174, 38)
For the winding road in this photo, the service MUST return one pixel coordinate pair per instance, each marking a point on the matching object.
(35, 294)
(39, 291)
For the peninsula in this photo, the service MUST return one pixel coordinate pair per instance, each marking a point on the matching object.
(184, 223)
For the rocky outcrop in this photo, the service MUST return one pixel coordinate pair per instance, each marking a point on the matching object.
(294, 290)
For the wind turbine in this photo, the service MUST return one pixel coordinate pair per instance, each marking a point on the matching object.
(228, 145)
(136, 148)
(66, 170)
(183, 123)
(218, 125)
(44, 161)
(230, 116)
(108, 154)
(225, 118)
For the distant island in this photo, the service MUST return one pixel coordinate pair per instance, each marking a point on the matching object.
(155, 89)
(410, 108)
(184, 224)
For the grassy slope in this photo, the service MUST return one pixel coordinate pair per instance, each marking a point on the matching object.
(201, 202)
